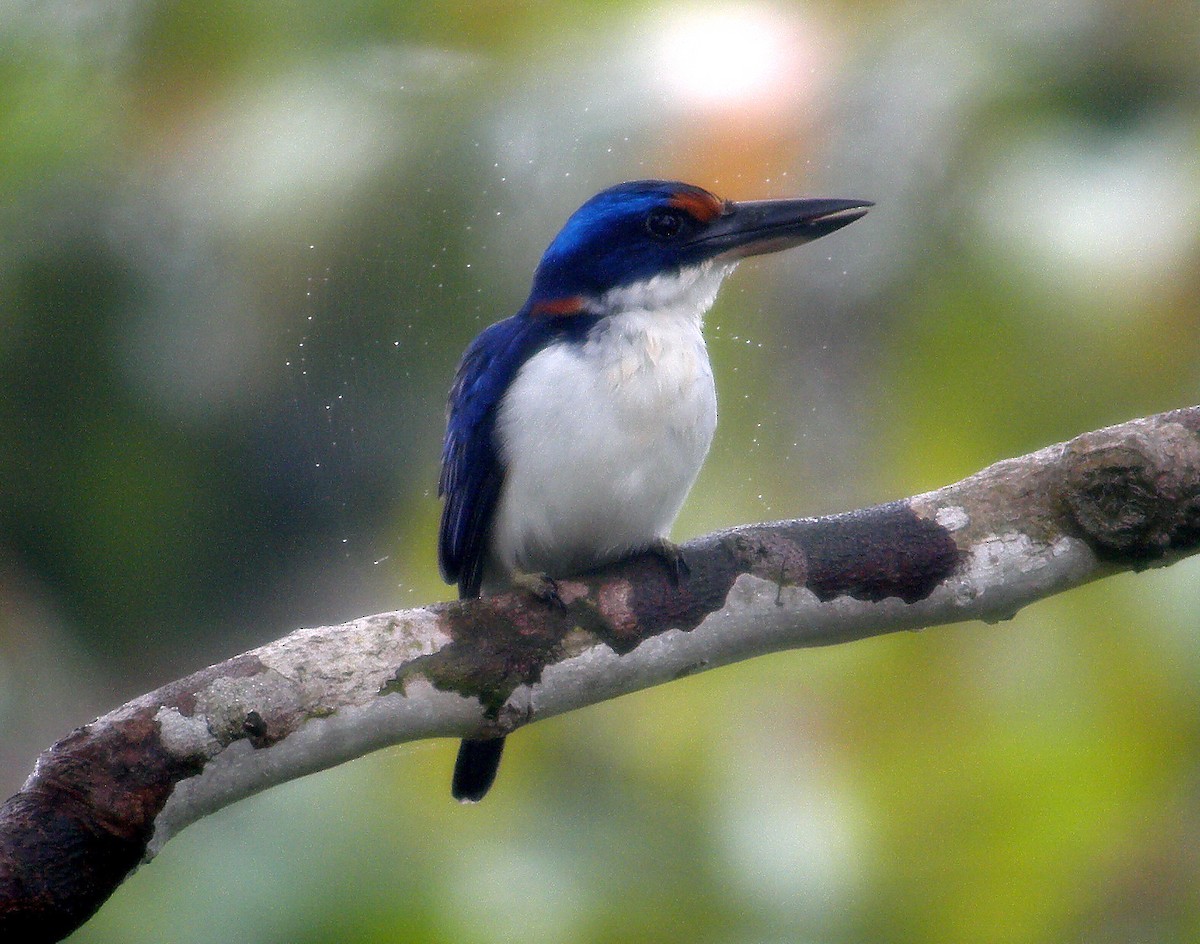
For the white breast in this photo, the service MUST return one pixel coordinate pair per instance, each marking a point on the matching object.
(602, 441)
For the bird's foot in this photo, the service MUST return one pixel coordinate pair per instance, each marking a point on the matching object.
(672, 555)
(540, 585)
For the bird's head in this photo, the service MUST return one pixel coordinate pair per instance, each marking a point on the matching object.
(654, 237)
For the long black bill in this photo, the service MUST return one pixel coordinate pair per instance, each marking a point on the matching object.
(759, 226)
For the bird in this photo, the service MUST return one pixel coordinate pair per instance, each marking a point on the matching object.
(576, 427)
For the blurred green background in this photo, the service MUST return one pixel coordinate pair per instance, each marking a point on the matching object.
(241, 247)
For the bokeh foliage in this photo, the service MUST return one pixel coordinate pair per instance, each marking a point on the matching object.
(241, 246)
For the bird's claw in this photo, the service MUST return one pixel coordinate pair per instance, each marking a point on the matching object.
(540, 585)
(672, 555)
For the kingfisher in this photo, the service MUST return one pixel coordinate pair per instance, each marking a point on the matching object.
(576, 427)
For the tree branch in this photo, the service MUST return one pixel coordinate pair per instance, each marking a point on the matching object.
(111, 793)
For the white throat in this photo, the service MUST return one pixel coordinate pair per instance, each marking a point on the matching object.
(689, 292)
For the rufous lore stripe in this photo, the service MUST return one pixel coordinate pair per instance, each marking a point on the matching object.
(702, 205)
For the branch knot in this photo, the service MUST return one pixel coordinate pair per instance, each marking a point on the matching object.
(1134, 498)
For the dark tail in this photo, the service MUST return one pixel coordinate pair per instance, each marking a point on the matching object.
(475, 769)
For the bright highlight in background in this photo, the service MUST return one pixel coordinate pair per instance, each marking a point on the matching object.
(728, 55)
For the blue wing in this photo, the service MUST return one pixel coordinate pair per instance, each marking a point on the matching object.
(472, 471)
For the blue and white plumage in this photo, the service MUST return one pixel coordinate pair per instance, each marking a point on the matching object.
(576, 427)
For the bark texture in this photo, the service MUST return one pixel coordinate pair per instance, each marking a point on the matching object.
(108, 795)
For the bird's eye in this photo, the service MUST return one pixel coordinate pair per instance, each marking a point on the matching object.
(664, 224)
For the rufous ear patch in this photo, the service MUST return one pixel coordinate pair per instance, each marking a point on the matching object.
(559, 307)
